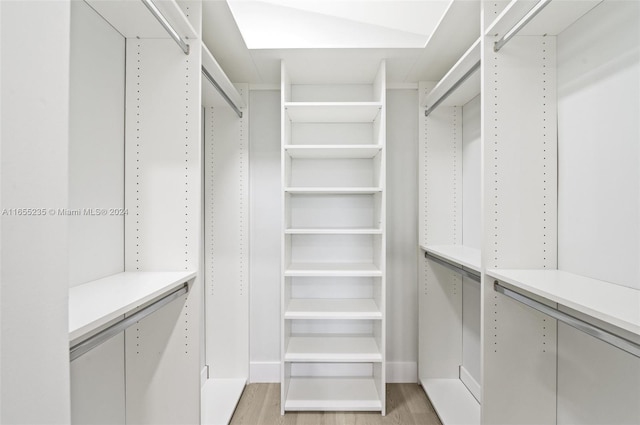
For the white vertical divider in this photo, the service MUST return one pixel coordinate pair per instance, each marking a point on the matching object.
(226, 147)
(34, 52)
(519, 221)
(163, 228)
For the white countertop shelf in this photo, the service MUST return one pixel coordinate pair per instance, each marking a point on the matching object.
(96, 303)
(613, 304)
(334, 394)
(333, 231)
(469, 89)
(552, 20)
(456, 254)
(327, 308)
(332, 151)
(220, 398)
(333, 190)
(132, 19)
(329, 348)
(452, 401)
(333, 270)
(332, 112)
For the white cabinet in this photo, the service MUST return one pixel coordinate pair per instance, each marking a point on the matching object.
(333, 245)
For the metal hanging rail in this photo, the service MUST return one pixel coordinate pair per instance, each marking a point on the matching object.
(471, 274)
(521, 24)
(222, 92)
(166, 25)
(80, 348)
(588, 328)
(453, 88)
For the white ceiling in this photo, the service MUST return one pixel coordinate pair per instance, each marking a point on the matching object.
(456, 31)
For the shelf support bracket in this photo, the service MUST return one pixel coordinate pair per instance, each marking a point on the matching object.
(586, 327)
(79, 348)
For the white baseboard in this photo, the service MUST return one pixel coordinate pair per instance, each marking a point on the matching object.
(264, 372)
(402, 372)
(397, 372)
(470, 383)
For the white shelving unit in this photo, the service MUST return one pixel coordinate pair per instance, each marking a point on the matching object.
(449, 300)
(333, 259)
(554, 227)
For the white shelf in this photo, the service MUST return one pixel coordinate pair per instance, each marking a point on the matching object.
(457, 254)
(614, 304)
(332, 151)
(452, 401)
(333, 190)
(210, 95)
(332, 112)
(469, 89)
(334, 231)
(326, 308)
(332, 349)
(333, 269)
(552, 20)
(96, 303)
(219, 400)
(132, 19)
(333, 394)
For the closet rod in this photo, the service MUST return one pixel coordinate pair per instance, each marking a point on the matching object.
(222, 92)
(166, 25)
(521, 24)
(471, 274)
(596, 332)
(453, 88)
(93, 341)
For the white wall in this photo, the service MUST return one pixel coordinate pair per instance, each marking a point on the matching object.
(402, 235)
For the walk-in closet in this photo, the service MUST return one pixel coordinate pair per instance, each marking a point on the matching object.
(257, 212)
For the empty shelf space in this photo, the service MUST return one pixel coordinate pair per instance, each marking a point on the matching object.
(332, 111)
(333, 151)
(96, 303)
(614, 304)
(219, 399)
(460, 255)
(333, 269)
(333, 231)
(333, 190)
(323, 348)
(452, 401)
(327, 308)
(333, 394)
(132, 18)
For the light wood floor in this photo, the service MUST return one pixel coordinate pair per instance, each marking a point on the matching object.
(406, 405)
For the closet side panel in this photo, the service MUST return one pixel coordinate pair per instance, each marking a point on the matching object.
(226, 241)
(519, 224)
(34, 51)
(96, 181)
(163, 228)
(599, 201)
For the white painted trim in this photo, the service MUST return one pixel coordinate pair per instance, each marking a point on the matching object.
(402, 372)
(472, 385)
(264, 372)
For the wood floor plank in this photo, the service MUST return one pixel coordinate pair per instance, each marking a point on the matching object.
(406, 405)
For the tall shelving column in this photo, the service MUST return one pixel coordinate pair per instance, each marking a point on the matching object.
(333, 245)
